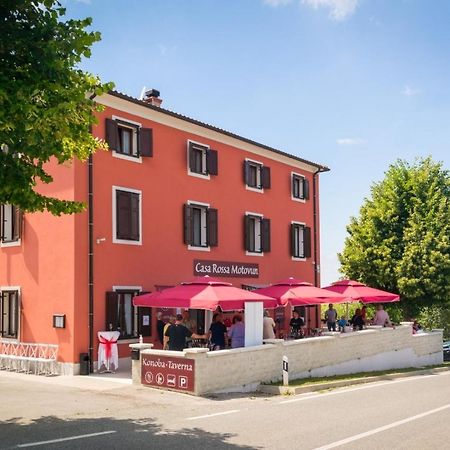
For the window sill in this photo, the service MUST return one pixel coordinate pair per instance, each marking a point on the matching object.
(295, 258)
(254, 189)
(126, 242)
(200, 249)
(297, 199)
(199, 175)
(247, 253)
(135, 159)
(17, 243)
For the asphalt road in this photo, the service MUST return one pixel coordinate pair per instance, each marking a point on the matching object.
(79, 412)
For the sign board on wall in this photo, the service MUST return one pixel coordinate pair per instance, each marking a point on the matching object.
(225, 269)
(168, 372)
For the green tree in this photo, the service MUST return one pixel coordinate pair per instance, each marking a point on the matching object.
(401, 240)
(46, 101)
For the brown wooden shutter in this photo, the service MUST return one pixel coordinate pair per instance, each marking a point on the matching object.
(144, 330)
(307, 241)
(134, 216)
(292, 241)
(111, 134)
(17, 223)
(212, 162)
(188, 225)
(305, 189)
(247, 233)
(265, 235)
(191, 157)
(111, 311)
(265, 177)
(123, 211)
(2, 222)
(145, 142)
(213, 237)
(246, 172)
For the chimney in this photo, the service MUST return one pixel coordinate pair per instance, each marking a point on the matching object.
(152, 97)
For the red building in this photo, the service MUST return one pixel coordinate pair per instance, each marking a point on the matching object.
(173, 198)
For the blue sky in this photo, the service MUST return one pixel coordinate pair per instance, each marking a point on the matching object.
(352, 84)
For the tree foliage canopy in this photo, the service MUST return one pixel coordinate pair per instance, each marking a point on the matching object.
(45, 107)
(401, 239)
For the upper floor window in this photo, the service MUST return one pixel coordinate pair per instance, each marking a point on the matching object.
(256, 175)
(9, 313)
(127, 216)
(256, 233)
(11, 224)
(300, 241)
(300, 187)
(202, 160)
(123, 316)
(129, 139)
(200, 225)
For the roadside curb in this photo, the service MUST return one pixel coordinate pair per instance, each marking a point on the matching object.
(295, 390)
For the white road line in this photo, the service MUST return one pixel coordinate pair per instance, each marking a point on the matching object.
(71, 438)
(380, 429)
(366, 386)
(231, 411)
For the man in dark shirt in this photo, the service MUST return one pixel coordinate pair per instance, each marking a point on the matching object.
(217, 332)
(160, 327)
(177, 333)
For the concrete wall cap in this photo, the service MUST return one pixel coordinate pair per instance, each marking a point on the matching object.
(196, 350)
(140, 346)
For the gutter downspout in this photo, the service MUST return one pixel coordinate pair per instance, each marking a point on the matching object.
(91, 261)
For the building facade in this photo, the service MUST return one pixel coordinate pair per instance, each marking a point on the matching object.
(171, 199)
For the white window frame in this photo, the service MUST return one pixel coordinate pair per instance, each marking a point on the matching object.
(117, 155)
(302, 224)
(207, 206)
(16, 243)
(206, 176)
(296, 199)
(19, 307)
(259, 175)
(261, 216)
(114, 216)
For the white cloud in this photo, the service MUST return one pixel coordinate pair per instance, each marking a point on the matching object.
(86, 2)
(338, 9)
(276, 3)
(350, 141)
(409, 91)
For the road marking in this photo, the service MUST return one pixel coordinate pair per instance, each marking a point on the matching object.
(71, 438)
(344, 391)
(380, 429)
(231, 411)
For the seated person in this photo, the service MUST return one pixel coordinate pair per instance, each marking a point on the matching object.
(381, 317)
(296, 325)
(416, 327)
(357, 320)
(342, 323)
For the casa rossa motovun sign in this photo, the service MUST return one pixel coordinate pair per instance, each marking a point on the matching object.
(225, 269)
(168, 372)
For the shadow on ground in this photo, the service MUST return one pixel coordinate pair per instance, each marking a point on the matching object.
(117, 434)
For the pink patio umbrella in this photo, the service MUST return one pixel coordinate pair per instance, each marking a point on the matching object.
(203, 293)
(360, 292)
(300, 293)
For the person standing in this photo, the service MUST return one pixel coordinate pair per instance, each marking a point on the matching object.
(268, 326)
(331, 317)
(160, 327)
(217, 333)
(178, 333)
(296, 324)
(237, 332)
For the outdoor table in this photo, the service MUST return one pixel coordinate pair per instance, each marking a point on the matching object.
(108, 354)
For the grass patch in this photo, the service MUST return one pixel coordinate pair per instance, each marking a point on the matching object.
(353, 376)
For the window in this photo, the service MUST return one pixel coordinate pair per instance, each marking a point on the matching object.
(9, 313)
(202, 160)
(256, 175)
(129, 139)
(123, 316)
(200, 225)
(256, 233)
(300, 241)
(11, 224)
(127, 216)
(300, 187)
